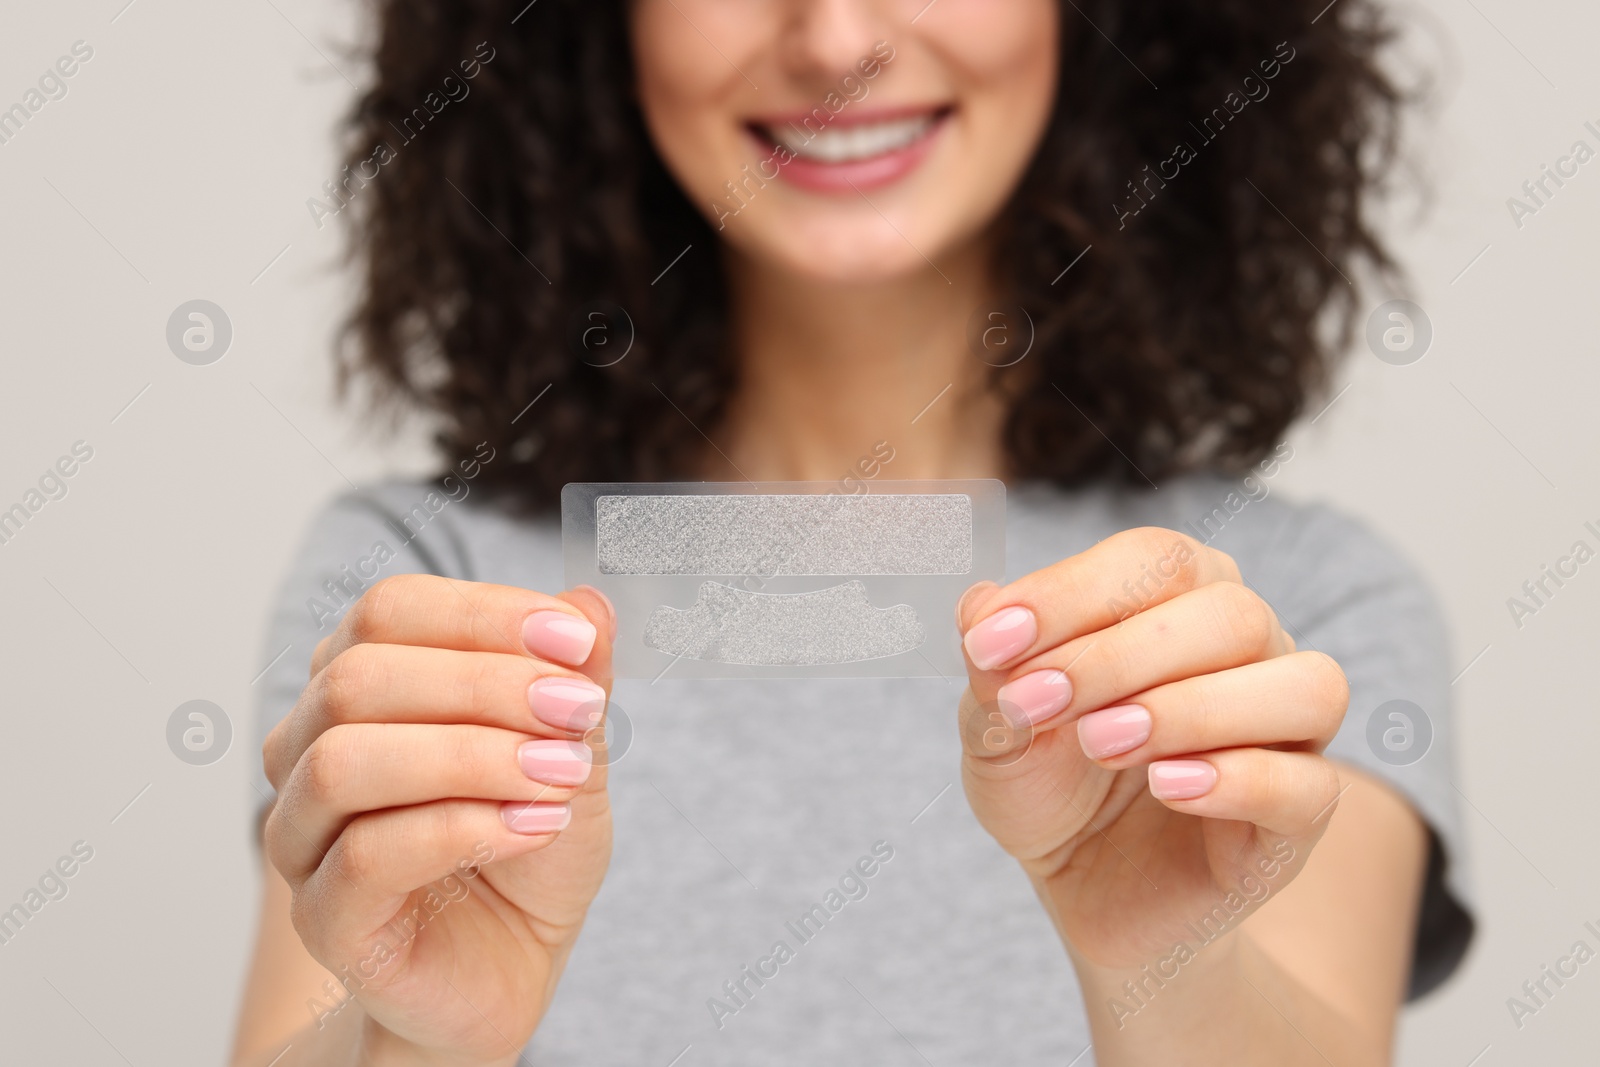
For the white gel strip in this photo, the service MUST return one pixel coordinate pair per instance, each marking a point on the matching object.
(784, 580)
(773, 534)
(833, 625)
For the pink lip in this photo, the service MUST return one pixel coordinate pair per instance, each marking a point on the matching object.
(856, 175)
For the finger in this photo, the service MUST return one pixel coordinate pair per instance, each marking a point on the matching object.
(595, 605)
(988, 733)
(369, 767)
(1290, 794)
(383, 856)
(1295, 700)
(1213, 628)
(425, 609)
(415, 684)
(1030, 790)
(1126, 573)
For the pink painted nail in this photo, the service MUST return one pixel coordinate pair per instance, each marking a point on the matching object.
(567, 703)
(1001, 637)
(557, 636)
(1113, 731)
(1181, 779)
(556, 762)
(531, 819)
(1036, 696)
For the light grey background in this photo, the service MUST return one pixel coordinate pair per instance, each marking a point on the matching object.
(177, 168)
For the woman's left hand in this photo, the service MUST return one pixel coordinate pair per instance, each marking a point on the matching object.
(1142, 735)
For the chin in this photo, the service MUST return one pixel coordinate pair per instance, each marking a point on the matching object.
(840, 243)
(845, 257)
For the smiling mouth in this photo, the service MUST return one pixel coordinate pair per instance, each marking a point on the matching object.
(842, 142)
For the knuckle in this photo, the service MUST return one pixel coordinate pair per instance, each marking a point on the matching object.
(1270, 784)
(369, 616)
(272, 840)
(466, 753)
(360, 622)
(1246, 620)
(1177, 558)
(324, 649)
(358, 854)
(453, 824)
(305, 913)
(326, 767)
(487, 681)
(1329, 687)
(1121, 658)
(438, 827)
(1205, 715)
(346, 681)
(272, 756)
(1171, 554)
(1148, 539)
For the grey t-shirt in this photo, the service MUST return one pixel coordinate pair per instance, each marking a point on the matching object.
(739, 805)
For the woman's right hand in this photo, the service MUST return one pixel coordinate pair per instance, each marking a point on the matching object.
(442, 817)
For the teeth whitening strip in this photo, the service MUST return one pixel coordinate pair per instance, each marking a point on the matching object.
(789, 579)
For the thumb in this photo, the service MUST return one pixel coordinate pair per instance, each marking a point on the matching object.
(597, 608)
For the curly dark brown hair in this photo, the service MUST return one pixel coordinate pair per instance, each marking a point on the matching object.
(1217, 293)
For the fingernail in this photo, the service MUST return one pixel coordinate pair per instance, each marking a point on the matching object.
(1113, 731)
(1036, 696)
(523, 818)
(567, 703)
(1181, 779)
(1001, 637)
(556, 762)
(611, 610)
(557, 636)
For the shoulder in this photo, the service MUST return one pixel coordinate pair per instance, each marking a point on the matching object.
(1310, 555)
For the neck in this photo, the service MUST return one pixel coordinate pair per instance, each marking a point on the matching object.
(832, 376)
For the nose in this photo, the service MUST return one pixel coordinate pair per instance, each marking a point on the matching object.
(826, 38)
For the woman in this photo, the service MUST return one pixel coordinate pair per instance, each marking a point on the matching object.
(1091, 248)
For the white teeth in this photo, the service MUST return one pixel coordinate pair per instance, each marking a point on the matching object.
(844, 144)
